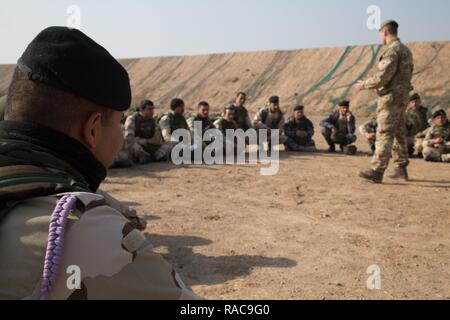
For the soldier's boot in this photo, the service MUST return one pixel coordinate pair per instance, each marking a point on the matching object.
(122, 164)
(372, 176)
(332, 149)
(350, 150)
(292, 146)
(145, 159)
(445, 157)
(342, 147)
(400, 174)
(411, 151)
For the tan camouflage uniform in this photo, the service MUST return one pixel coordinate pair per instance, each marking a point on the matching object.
(439, 153)
(115, 259)
(264, 119)
(367, 128)
(416, 122)
(393, 84)
(137, 147)
(167, 126)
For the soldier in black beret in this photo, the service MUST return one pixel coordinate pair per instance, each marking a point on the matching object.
(270, 117)
(340, 128)
(437, 139)
(299, 131)
(61, 133)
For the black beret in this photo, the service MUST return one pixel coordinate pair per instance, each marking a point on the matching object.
(439, 113)
(274, 99)
(146, 103)
(299, 108)
(344, 103)
(68, 60)
(414, 97)
(176, 103)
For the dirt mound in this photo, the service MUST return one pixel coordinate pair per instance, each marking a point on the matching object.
(317, 78)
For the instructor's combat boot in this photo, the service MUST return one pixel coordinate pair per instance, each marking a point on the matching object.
(372, 176)
(400, 173)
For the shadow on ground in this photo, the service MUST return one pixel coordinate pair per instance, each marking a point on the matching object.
(200, 269)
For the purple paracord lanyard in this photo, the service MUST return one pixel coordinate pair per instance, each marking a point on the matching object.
(55, 243)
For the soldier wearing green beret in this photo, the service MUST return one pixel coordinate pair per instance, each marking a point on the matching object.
(61, 133)
(392, 82)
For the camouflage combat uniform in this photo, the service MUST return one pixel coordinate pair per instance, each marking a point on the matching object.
(137, 131)
(206, 122)
(265, 119)
(393, 85)
(437, 153)
(299, 143)
(242, 118)
(169, 123)
(206, 125)
(346, 129)
(416, 122)
(367, 128)
(115, 259)
(223, 125)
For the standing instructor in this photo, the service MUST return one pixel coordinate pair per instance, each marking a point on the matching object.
(392, 82)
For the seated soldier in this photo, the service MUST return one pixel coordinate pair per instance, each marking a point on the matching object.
(241, 115)
(299, 131)
(436, 146)
(339, 128)
(61, 133)
(270, 117)
(173, 120)
(142, 137)
(417, 118)
(369, 130)
(226, 122)
(169, 123)
(202, 116)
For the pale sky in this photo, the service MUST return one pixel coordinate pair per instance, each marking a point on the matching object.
(143, 28)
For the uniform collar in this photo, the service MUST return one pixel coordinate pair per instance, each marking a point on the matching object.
(393, 40)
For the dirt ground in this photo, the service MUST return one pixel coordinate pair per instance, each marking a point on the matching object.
(310, 232)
